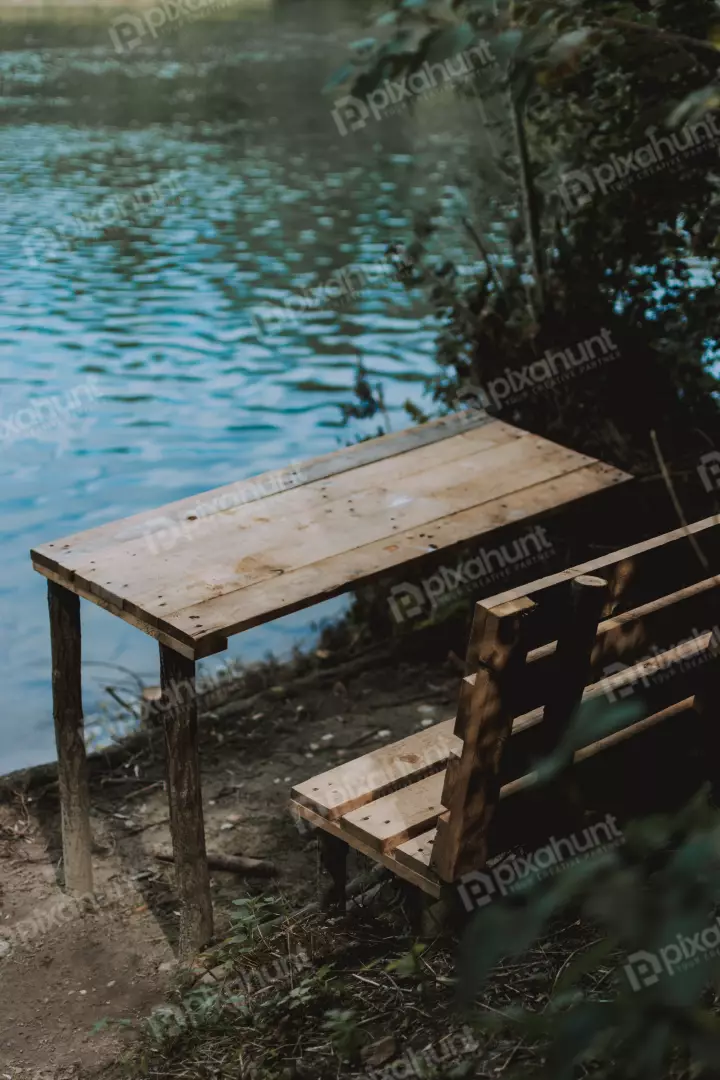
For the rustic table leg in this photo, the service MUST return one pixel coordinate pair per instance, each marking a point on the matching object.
(179, 712)
(65, 645)
(333, 854)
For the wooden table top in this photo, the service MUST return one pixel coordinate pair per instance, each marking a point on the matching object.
(198, 570)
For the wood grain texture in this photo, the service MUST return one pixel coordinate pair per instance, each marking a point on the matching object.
(65, 644)
(193, 572)
(422, 877)
(472, 781)
(395, 818)
(179, 718)
(346, 787)
(571, 666)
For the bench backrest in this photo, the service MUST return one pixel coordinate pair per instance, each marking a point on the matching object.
(643, 621)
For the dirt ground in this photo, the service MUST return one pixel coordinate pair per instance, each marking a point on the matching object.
(76, 969)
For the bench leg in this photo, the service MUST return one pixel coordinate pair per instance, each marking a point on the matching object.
(180, 728)
(333, 854)
(65, 645)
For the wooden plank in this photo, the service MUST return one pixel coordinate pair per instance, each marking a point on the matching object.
(571, 667)
(236, 505)
(65, 643)
(191, 652)
(639, 551)
(295, 590)
(346, 787)
(659, 676)
(626, 637)
(182, 757)
(417, 851)
(228, 563)
(472, 780)
(678, 708)
(302, 588)
(397, 817)
(420, 876)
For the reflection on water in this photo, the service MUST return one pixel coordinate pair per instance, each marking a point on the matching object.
(155, 301)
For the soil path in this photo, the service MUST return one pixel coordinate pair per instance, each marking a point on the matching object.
(69, 968)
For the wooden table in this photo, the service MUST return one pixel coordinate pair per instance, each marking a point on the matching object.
(199, 570)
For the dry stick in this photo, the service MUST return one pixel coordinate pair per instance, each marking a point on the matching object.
(231, 864)
(671, 36)
(676, 502)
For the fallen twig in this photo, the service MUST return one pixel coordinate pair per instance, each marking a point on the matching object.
(231, 864)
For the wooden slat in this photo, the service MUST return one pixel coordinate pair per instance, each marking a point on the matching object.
(424, 879)
(664, 673)
(346, 787)
(642, 552)
(626, 637)
(396, 818)
(292, 591)
(571, 664)
(190, 651)
(238, 506)
(472, 781)
(417, 852)
(226, 562)
(678, 708)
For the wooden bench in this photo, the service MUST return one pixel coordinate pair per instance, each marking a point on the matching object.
(201, 569)
(641, 623)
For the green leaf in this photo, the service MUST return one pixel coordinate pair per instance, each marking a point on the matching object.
(449, 42)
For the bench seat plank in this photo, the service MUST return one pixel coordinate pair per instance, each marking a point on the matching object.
(417, 874)
(398, 817)
(417, 851)
(346, 787)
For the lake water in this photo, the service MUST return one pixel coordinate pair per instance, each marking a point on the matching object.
(154, 200)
